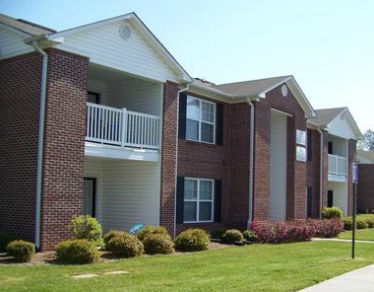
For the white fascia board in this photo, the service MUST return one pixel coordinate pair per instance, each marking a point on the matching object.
(301, 98)
(90, 26)
(263, 93)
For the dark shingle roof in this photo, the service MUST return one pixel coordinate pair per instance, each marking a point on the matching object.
(250, 88)
(325, 116)
(368, 155)
(30, 28)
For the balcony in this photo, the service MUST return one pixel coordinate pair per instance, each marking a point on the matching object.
(338, 169)
(120, 128)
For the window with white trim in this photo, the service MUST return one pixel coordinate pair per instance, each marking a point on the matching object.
(198, 200)
(200, 123)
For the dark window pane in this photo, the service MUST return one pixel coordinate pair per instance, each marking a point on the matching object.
(189, 211)
(205, 211)
(207, 132)
(192, 130)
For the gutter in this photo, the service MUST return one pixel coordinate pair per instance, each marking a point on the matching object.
(176, 160)
(321, 172)
(251, 152)
(39, 174)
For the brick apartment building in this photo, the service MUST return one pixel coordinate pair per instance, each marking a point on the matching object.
(102, 120)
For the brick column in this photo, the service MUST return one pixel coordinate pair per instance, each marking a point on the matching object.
(261, 179)
(20, 81)
(62, 193)
(168, 155)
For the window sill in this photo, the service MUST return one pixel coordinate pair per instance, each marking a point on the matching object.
(204, 144)
(197, 222)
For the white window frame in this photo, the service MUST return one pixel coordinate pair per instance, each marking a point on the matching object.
(200, 120)
(198, 200)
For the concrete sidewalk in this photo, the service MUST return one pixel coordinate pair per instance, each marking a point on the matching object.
(358, 280)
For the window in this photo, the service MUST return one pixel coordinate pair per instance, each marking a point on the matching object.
(200, 122)
(309, 145)
(89, 196)
(198, 200)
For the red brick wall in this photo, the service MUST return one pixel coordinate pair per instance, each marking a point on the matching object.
(62, 194)
(365, 188)
(19, 106)
(296, 171)
(228, 162)
(168, 155)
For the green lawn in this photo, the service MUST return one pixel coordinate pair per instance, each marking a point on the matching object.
(362, 234)
(260, 267)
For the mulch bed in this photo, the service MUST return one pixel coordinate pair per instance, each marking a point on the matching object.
(48, 257)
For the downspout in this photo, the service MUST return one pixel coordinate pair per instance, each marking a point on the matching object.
(39, 174)
(176, 160)
(321, 172)
(251, 152)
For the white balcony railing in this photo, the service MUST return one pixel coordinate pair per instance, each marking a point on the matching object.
(337, 165)
(120, 127)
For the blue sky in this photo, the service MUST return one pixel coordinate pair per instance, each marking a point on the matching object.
(327, 45)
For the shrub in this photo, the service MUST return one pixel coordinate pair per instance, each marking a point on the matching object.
(158, 243)
(348, 223)
(361, 224)
(370, 223)
(5, 239)
(331, 212)
(21, 251)
(192, 240)
(148, 230)
(126, 246)
(86, 227)
(217, 233)
(250, 236)
(76, 251)
(280, 232)
(328, 228)
(112, 233)
(232, 235)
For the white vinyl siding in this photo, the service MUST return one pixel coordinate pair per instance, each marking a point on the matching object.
(340, 195)
(105, 47)
(136, 95)
(278, 166)
(11, 43)
(127, 192)
(198, 200)
(200, 122)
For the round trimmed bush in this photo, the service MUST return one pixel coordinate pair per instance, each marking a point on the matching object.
(76, 251)
(232, 235)
(86, 227)
(148, 230)
(158, 243)
(5, 239)
(250, 236)
(361, 224)
(370, 223)
(21, 251)
(192, 240)
(126, 246)
(332, 212)
(348, 223)
(112, 233)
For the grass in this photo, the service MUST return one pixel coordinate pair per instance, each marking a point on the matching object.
(260, 267)
(361, 234)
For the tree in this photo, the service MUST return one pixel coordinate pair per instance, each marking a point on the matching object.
(367, 142)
